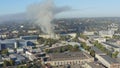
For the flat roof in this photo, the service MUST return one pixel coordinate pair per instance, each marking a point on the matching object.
(68, 56)
(108, 59)
(97, 51)
(111, 45)
(29, 37)
(95, 65)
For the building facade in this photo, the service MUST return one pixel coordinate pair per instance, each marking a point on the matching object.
(69, 58)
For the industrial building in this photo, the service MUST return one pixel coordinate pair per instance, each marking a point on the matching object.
(105, 59)
(71, 58)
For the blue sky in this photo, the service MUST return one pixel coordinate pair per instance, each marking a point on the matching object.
(85, 8)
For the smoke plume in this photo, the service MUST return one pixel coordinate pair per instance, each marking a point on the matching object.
(43, 13)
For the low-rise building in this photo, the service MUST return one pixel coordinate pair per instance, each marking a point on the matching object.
(3, 36)
(6, 58)
(100, 39)
(15, 32)
(71, 58)
(12, 43)
(31, 38)
(106, 33)
(11, 51)
(105, 59)
(108, 61)
(92, 65)
(20, 50)
(97, 38)
(88, 33)
(97, 51)
(19, 59)
(12, 57)
(111, 46)
(30, 56)
(32, 31)
(73, 35)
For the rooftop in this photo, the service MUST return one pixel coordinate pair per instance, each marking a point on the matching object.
(29, 37)
(112, 45)
(95, 65)
(108, 59)
(97, 51)
(68, 56)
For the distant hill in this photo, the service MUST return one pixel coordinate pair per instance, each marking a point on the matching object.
(19, 17)
(22, 18)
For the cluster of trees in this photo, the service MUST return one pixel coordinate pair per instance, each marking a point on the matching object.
(76, 38)
(115, 54)
(84, 46)
(40, 40)
(64, 38)
(83, 36)
(5, 51)
(48, 41)
(34, 64)
(8, 63)
(88, 48)
(92, 53)
(20, 66)
(116, 37)
(63, 49)
(100, 46)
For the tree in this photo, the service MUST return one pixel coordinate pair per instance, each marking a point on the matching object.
(116, 37)
(5, 51)
(83, 36)
(62, 49)
(95, 43)
(11, 62)
(22, 66)
(41, 40)
(70, 47)
(8, 63)
(87, 48)
(47, 50)
(92, 53)
(83, 44)
(50, 42)
(114, 55)
(64, 38)
(76, 48)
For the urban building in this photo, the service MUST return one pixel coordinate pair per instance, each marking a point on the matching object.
(108, 61)
(88, 32)
(73, 35)
(113, 27)
(105, 59)
(106, 33)
(111, 46)
(30, 56)
(32, 38)
(12, 43)
(71, 58)
(92, 65)
(99, 39)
